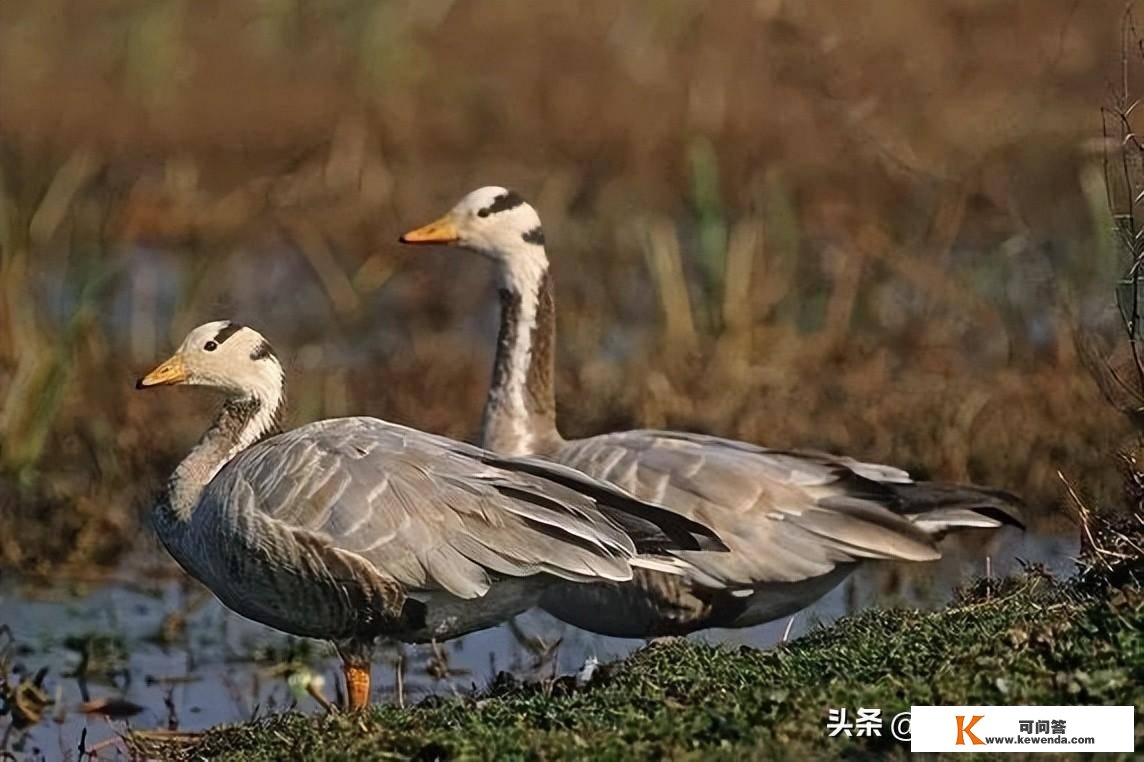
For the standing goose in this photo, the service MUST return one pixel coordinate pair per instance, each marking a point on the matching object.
(352, 528)
(796, 522)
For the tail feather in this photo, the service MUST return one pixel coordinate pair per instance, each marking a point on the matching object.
(938, 508)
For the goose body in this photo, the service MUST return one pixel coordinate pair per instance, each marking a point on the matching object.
(795, 522)
(352, 528)
(358, 527)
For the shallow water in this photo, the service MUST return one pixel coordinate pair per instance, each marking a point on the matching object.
(222, 668)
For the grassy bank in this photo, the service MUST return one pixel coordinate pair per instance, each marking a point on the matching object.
(1029, 639)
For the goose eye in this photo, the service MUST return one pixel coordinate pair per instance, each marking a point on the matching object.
(210, 346)
(483, 213)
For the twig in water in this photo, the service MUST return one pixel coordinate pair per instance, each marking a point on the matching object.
(172, 714)
(314, 688)
(399, 680)
(106, 743)
(789, 625)
(438, 667)
(989, 577)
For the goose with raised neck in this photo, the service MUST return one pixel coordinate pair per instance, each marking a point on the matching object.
(520, 409)
(355, 528)
(796, 522)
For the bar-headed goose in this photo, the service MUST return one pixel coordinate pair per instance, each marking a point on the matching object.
(353, 528)
(796, 522)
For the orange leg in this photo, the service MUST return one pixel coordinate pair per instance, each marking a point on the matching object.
(357, 685)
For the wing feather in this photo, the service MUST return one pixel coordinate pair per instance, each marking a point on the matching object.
(785, 515)
(428, 513)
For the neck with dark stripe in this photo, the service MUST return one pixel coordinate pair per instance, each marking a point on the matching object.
(242, 422)
(520, 412)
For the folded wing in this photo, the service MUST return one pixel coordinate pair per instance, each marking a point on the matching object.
(785, 515)
(433, 514)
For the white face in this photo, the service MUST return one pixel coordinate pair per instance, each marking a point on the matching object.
(222, 355)
(492, 220)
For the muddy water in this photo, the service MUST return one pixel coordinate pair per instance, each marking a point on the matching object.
(185, 662)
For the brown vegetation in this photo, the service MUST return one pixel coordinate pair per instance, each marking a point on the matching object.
(867, 227)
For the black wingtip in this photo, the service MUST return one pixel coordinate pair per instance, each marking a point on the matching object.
(1002, 506)
(1006, 517)
(684, 533)
(997, 504)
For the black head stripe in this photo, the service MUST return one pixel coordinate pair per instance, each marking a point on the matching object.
(536, 236)
(502, 203)
(262, 351)
(227, 331)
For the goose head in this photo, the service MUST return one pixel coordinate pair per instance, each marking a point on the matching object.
(493, 221)
(222, 355)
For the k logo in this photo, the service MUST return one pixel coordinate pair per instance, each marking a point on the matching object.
(964, 730)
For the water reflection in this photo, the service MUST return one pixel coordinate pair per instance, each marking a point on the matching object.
(187, 662)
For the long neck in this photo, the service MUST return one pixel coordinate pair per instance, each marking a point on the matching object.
(241, 422)
(520, 411)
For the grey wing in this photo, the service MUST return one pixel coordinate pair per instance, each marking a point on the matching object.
(423, 511)
(936, 507)
(653, 528)
(785, 516)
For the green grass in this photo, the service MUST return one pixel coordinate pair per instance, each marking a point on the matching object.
(1027, 640)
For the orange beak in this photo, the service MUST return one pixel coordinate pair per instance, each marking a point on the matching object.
(441, 231)
(171, 371)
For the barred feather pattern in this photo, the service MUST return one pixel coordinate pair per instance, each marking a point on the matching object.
(350, 528)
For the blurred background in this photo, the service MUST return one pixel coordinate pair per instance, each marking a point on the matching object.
(876, 228)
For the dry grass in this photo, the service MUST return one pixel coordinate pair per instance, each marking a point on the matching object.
(867, 228)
